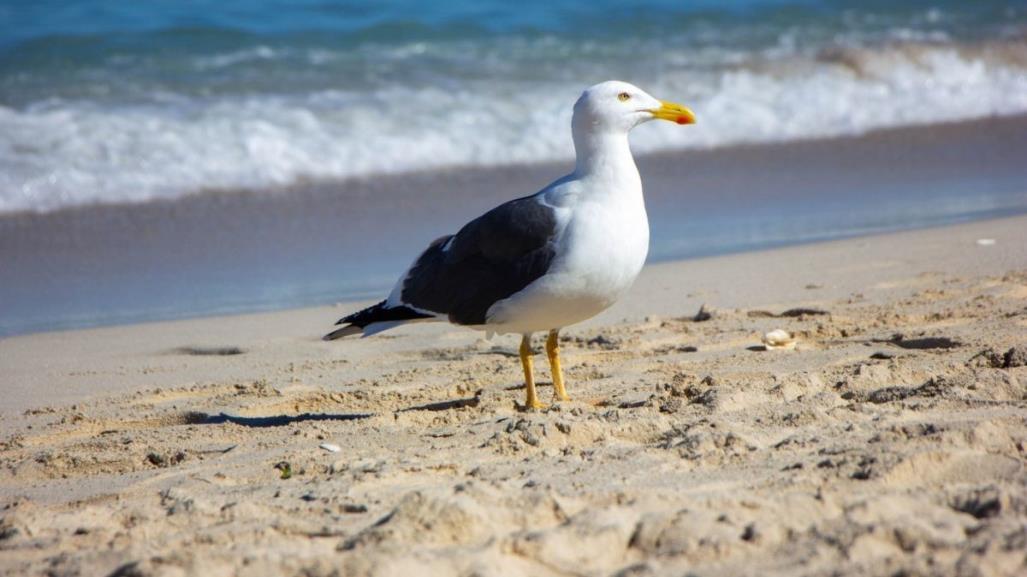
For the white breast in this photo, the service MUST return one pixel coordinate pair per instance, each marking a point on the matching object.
(601, 250)
(606, 245)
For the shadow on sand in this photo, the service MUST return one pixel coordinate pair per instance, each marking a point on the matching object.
(198, 418)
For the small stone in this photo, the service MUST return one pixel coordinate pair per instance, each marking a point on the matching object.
(778, 339)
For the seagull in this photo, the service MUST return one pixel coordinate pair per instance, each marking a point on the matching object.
(546, 261)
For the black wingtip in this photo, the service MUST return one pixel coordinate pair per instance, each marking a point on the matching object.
(356, 322)
(343, 332)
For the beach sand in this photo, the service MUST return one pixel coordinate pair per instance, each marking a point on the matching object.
(889, 441)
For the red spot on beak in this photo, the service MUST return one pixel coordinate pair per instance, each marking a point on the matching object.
(682, 120)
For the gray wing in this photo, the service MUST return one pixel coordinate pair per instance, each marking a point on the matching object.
(491, 258)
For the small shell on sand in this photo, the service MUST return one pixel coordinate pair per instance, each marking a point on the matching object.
(778, 339)
(331, 448)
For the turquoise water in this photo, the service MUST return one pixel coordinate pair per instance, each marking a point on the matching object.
(114, 101)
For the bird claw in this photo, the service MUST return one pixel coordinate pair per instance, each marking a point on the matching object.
(534, 405)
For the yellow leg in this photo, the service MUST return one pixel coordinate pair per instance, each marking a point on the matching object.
(553, 350)
(531, 401)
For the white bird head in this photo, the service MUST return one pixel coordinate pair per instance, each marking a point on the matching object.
(615, 106)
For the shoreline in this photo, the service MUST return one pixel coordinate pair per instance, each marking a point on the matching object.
(323, 242)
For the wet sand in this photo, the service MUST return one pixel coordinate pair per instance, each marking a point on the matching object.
(889, 441)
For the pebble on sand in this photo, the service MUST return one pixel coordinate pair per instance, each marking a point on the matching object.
(778, 339)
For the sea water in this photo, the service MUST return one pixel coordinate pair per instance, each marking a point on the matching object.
(108, 101)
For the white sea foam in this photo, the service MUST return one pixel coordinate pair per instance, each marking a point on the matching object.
(63, 153)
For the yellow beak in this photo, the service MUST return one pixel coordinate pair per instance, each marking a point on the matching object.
(674, 113)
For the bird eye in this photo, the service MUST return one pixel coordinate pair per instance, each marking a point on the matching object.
(623, 96)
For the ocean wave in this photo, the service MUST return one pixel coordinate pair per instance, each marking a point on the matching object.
(77, 150)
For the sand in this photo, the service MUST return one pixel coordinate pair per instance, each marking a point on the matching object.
(889, 441)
